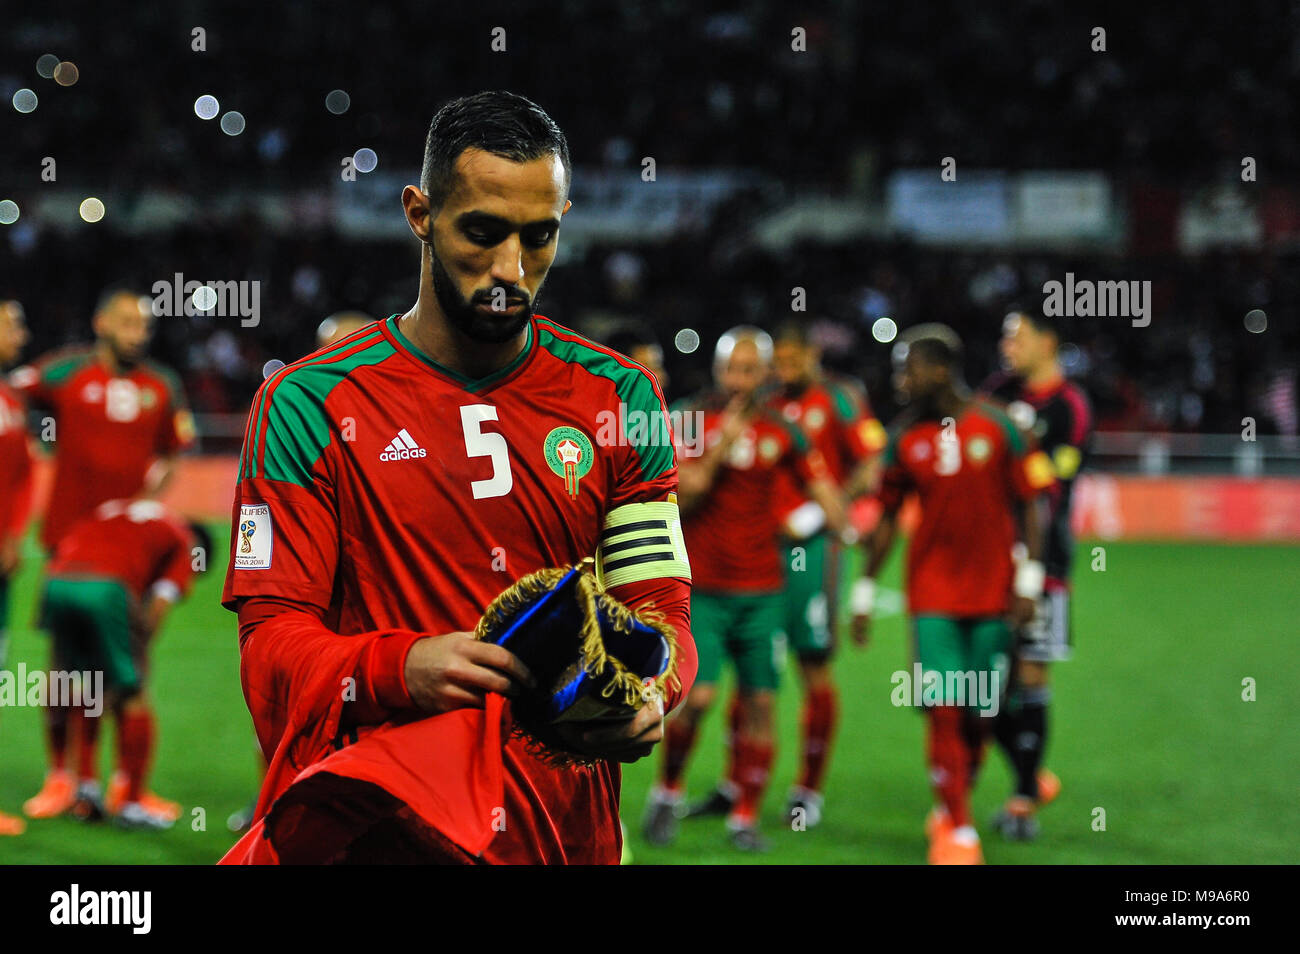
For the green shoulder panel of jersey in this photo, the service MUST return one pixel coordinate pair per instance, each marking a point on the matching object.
(290, 428)
(848, 397)
(1015, 440)
(172, 380)
(56, 369)
(797, 437)
(894, 436)
(634, 386)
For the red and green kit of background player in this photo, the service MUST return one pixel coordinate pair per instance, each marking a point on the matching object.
(971, 472)
(393, 484)
(108, 587)
(834, 417)
(118, 420)
(732, 522)
(16, 483)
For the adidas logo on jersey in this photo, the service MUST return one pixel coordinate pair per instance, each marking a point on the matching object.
(403, 447)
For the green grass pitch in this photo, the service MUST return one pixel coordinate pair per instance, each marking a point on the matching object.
(1148, 724)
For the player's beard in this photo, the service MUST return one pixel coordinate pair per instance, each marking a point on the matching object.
(464, 316)
(126, 358)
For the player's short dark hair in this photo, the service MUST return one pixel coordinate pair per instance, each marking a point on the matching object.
(793, 331)
(628, 337)
(1040, 322)
(935, 344)
(502, 123)
(202, 538)
(112, 291)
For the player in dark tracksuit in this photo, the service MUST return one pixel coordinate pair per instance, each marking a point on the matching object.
(1041, 401)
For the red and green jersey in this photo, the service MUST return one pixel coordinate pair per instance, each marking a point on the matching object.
(15, 464)
(109, 429)
(834, 415)
(733, 534)
(383, 492)
(967, 476)
(138, 543)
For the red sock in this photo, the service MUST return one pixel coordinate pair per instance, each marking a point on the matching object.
(135, 732)
(733, 733)
(820, 709)
(679, 737)
(754, 764)
(58, 721)
(950, 762)
(976, 730)
(88, 747)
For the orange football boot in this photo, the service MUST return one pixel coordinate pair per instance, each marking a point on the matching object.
(1049, 786)
(937, 823)
(11, 825)
(57, 795)
(116, 798)
(956, 848)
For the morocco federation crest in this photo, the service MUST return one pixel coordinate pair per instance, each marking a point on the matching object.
(569, 454)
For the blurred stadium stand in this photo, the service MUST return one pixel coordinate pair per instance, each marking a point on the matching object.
(1118, 165)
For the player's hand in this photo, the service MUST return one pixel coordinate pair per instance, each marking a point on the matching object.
(860, 629)
(10, 556)
(457, 671)
(1022, 610)
(625, 740)
(735, 419)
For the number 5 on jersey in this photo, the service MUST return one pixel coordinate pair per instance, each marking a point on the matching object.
(492, 445)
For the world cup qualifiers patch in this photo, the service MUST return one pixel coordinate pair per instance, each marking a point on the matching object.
(253, 537)
(569, 454)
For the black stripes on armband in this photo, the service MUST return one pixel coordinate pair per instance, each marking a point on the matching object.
(642, 541)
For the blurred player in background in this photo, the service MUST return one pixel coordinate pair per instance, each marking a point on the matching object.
(642, 347)
(1041, 402)
(15, 483)
(834, 416)
(732, 526)
(111, 582)
(969, 467)
(339, 325)
(119, 420)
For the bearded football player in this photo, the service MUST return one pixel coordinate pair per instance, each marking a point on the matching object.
(394, 484)
(733, 522)
(121, 420)
(834, 415)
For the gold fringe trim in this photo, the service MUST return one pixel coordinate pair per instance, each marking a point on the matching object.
(592, 598)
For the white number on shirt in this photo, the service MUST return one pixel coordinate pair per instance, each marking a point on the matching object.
(121, 400)
(948, 459)
(491, 444)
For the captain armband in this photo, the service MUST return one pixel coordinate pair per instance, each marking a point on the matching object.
(642, 541)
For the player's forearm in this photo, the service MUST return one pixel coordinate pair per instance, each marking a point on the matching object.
(24, 499)
(831, 500)
(159, 476)
(1035, 524)
(286, 649)
(880, 543)
(865, 478)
